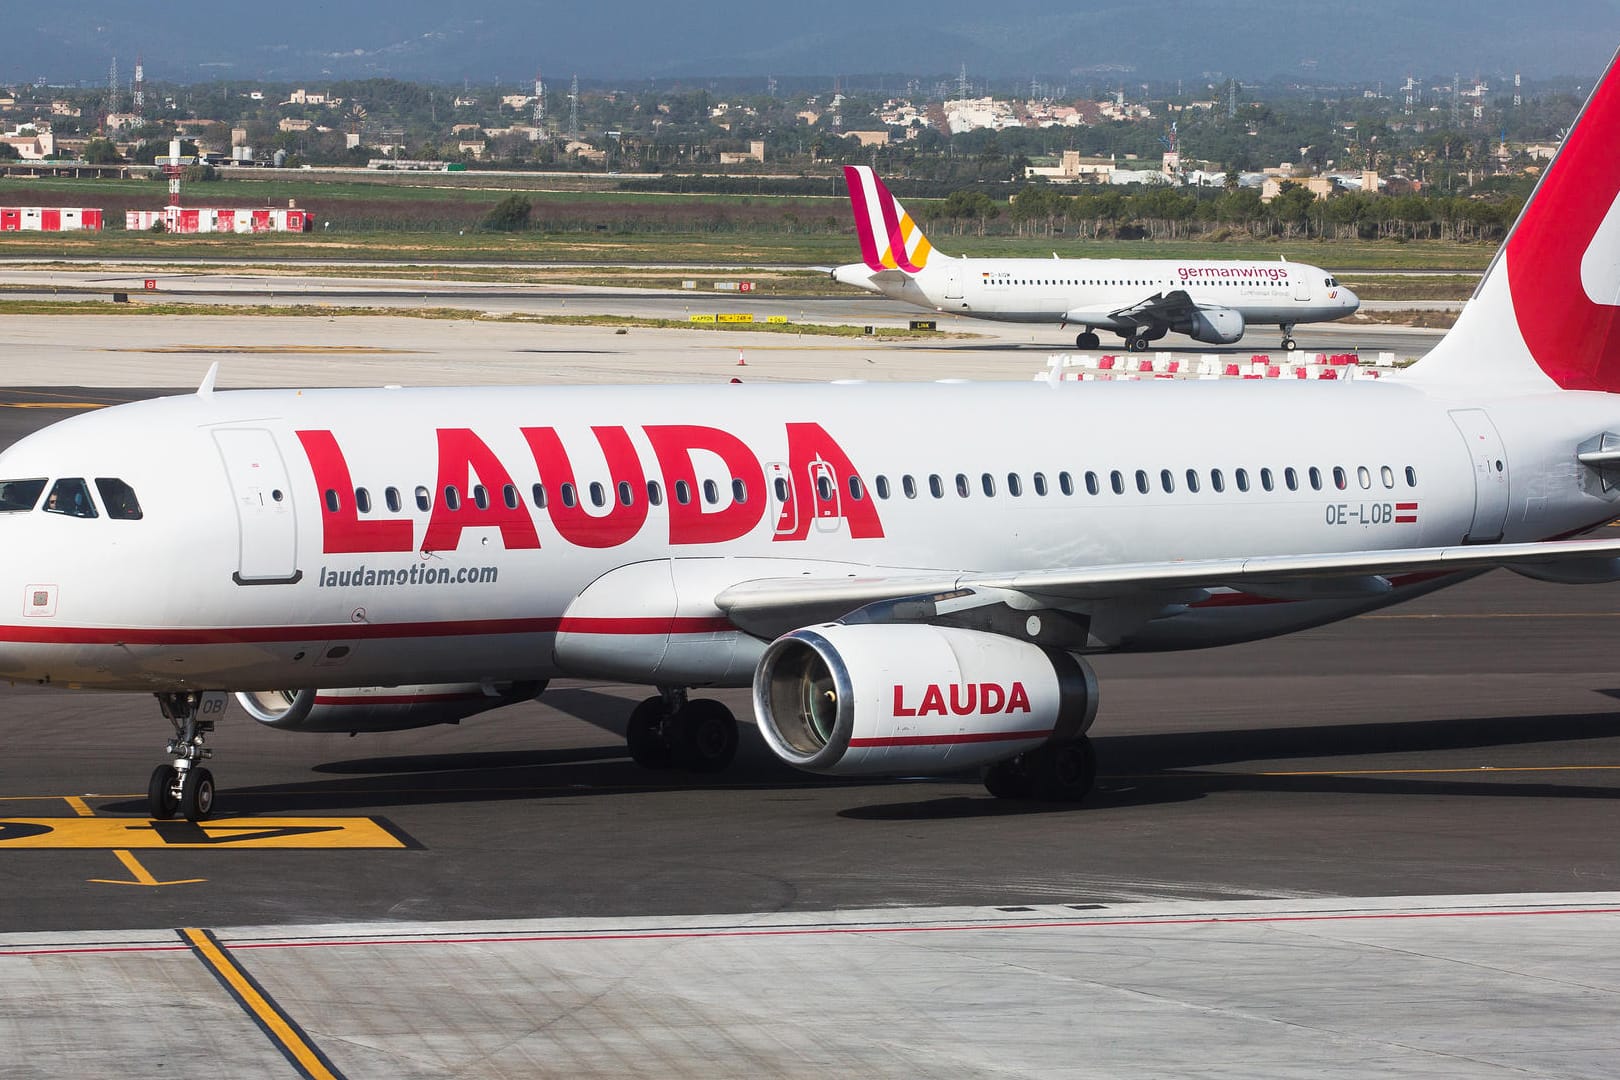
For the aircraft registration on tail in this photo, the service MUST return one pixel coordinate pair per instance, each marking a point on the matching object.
(911, 578)
(1141, 300)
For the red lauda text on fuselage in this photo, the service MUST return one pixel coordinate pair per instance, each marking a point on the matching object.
(963, 699)
(462, 455)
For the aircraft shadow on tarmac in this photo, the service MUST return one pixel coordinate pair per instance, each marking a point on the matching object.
(1135, 770)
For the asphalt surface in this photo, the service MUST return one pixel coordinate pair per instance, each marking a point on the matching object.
(1466, 743)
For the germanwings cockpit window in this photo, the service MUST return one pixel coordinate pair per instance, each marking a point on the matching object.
(118, 499)
(71, 496)
(20, 494)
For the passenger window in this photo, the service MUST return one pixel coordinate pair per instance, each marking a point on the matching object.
(936, 486)
(566, 493)
(883, 487)
(424, 501)
(1142, 481)
(1192, 481)
(1216, 480)
(1363, 477)
(1316, 478)
(538, 494)
(627, 493)
(655, 494)
(509, 496)
(19, 494)
(1015, 486)
(1411, 476)
(51, 504)
(391, 497)
(452, 497)
(711, 492)
(962, 487)
(1340, 480)
(598, 494)
(118, 499)
(362, 500)
(1167, 480)
(71, 496)
(909, 486)
(1242, 478)
(1387, 475)
(1092, 486)
(1040, 483)
(856, 491)
(781, 486)
(1116, 480)
(989, 484)
(1265, 479)
(1066, 483)
(683, 492)
(480, 496)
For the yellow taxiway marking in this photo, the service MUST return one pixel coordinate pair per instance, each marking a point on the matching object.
(272, 1019)
(235, 834)
(140, 874)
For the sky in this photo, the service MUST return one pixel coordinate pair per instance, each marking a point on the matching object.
(630, 41)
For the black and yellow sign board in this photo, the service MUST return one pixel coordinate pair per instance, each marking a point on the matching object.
(232, 834)
(736, 317)
(777, 319)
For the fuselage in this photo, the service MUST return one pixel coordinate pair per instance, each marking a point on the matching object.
(1086, 291)
(358, 537)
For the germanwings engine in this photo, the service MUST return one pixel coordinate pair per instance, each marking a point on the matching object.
(1216, 326)
(894, 699)
(380, 708)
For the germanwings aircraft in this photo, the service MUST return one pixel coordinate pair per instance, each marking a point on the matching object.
(910, 577)
(1141, 300)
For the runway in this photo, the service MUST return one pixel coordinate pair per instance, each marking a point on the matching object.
(1318, 854)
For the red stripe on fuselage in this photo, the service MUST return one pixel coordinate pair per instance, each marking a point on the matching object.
(238, 635)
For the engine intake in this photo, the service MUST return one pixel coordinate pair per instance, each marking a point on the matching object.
(887, 699)
(380, 708)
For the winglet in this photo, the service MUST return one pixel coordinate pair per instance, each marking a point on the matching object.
(207, 387)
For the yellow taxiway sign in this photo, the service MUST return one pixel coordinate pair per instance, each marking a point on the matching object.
(227, 833)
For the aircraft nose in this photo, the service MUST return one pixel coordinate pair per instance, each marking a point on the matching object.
(1349, 300)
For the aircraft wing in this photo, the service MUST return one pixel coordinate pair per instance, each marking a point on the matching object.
(773, 606)
(1156, 310)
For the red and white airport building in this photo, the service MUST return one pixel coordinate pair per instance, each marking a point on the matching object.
(49, 218)
(220, 219)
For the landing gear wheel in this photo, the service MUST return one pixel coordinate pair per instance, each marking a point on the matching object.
(1007, 779)
(197, 794)
(705, 736)
(1288, 344)
(1088, 340)
(1062, 772)
(160, 797)
(644, 735)
(1138, 344)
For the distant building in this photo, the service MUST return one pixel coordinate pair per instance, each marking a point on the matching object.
(292, 123)
(870, 138)
(30, 142)
(49, 218)
(304, 97)
(755, 152)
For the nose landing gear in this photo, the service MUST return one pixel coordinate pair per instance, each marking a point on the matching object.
(183, 783)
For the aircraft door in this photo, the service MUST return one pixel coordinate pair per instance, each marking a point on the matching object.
(1302, 286)
(953, 282)
(267, 526)
(1489, 462)
(824, 496)
(784, 507)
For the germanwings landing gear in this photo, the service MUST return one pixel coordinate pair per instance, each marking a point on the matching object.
(670, 731)
(1288, 336)
(1057, 772)
(184, 784)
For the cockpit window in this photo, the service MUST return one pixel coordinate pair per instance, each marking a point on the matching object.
(70, 495)
(20, 494)
(118, 499)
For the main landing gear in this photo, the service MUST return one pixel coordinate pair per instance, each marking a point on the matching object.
(1288, 337)
(1088, 340)
(671, 732)
(1057, 772)
(183, 784)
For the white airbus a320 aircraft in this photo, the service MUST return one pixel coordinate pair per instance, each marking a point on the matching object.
(909, 576)
(1141, 300)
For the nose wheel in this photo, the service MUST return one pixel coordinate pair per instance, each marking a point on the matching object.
(671, 732)
(1288, 342)
(183, 784)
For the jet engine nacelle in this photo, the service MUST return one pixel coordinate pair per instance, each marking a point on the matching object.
(1216, 326)
(380, 708)
(897, 699)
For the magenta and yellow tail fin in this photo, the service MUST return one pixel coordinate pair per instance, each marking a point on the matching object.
(890, 237)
